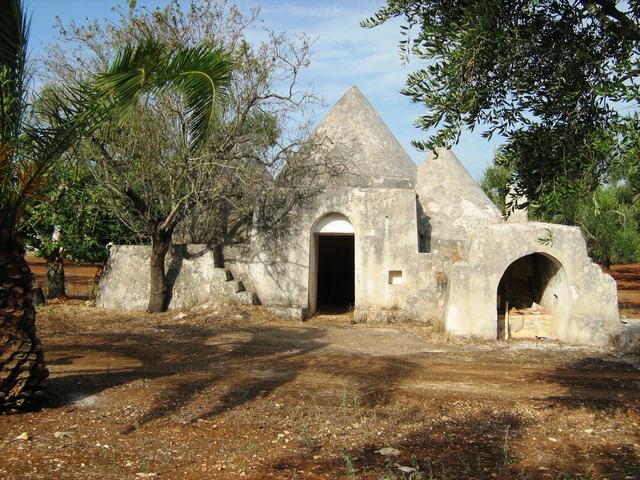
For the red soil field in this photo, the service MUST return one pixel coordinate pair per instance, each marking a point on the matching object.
(628, 279)
(80, 278)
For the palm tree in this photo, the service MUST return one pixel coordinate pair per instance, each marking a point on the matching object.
(30, 147)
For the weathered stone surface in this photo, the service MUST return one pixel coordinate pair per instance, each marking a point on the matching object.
(288, 312)
(587, 311)
(526, 325)
(191, 276)
(354, 136)
(451, 204)
(384, 225)
(243, 298)
(628, 338)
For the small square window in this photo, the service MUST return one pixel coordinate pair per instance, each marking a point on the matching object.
(395, 277)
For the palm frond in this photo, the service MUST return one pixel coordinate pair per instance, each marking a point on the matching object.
(132, 73)
(200, 73)
(14, 33)
(66, 116)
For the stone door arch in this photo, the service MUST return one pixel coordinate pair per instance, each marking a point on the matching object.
(532, 297)
(332, 264)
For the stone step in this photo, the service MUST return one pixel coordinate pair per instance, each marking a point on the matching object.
(230, 287)
(221, 275)
(288, 312)
(245, 298)
(225, 286)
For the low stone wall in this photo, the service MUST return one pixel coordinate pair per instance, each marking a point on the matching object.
(190, 271)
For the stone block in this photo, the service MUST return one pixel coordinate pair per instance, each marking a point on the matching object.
(288, 312)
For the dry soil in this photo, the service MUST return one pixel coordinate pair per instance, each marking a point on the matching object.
(229, 392)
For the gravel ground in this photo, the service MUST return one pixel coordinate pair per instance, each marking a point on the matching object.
(230, 392)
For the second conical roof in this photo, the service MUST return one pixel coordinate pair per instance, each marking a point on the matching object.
(448, 194)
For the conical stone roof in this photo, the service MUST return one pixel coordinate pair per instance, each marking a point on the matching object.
(355, 139)
(450, 198)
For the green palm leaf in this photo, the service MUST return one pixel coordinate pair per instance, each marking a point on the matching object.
(200, 73)
(133, 72)
(14, 31)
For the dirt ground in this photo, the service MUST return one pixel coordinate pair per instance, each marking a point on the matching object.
(80, 278)
(229, 392)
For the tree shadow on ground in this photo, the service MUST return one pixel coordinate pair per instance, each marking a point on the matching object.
(207, 371)
(479, 447)
(602, 384)
(488, 445)
(188, 359)
(608, 387)
(494, 443)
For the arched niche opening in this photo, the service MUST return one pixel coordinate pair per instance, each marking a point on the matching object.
(332, 265)
(532, 298)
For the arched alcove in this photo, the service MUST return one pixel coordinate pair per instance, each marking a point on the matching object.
(332, 265)
(532, 297)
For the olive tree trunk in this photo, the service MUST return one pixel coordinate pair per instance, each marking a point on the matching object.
(22, 367)
(160, 243)
(218, 255)
(55, 277)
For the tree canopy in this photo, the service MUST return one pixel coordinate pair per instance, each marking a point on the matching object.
(509, 65)
(558, 78)
(154, 178)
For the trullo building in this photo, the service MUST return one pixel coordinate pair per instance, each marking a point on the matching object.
(391, 241)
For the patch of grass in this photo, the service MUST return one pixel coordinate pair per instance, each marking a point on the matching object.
(350, 470)
(349, 400)
(345, 397)
(307, 438)
(143, 463)
(251, 448)
(388, 467)
(166, 455)
(391, 474)
(144, 458)
(508, 459)
(114, 460)
(431, 469)
(417, 475)
(45, 308)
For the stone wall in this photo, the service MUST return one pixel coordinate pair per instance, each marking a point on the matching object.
(190, 275)
(587, 307)
(451, 205)
(385, 230)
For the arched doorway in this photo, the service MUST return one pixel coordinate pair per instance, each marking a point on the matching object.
(332, 272)
(532, 298)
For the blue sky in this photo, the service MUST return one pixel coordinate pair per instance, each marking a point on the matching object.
(344, 54)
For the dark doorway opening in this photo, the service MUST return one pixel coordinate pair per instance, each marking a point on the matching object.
(528, 296)
(336, 273)
(525, 281)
